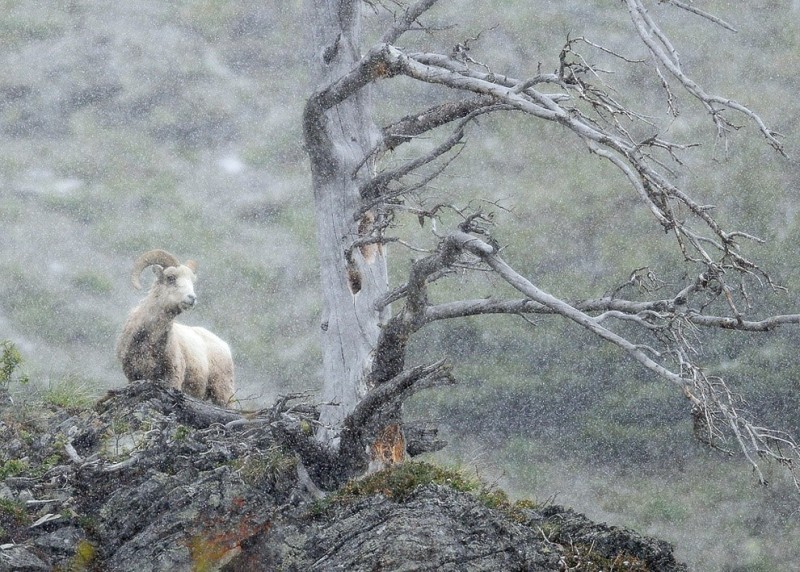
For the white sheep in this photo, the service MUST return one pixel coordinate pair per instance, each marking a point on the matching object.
(153, 346)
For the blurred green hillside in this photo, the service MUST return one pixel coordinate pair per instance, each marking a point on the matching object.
(130, 126)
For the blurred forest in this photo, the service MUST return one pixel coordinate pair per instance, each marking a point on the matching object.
(176, 125)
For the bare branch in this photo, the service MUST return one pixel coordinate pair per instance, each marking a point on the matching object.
(401, 291)
(464, 308)
(715, 408)
(664, 52)
(397, 388)
(372, 410)
(377, 186)
(765, 325)
(405, 23)
(607, 50)
(416, 124)
(702, 14)
(488, 255)
(390, 196)
(376, 189)
(632, 158)
(610, 308)
(391, 348)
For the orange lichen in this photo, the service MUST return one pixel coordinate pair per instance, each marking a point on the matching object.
(220, 542)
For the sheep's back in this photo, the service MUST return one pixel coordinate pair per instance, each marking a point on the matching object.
(209, 362)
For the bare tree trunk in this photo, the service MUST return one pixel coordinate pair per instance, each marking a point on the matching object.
(365, 350)
(337, 141)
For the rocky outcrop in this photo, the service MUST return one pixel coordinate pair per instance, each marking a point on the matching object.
(151, 480)
(440, 529)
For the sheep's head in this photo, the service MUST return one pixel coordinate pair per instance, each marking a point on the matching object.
(174, 284)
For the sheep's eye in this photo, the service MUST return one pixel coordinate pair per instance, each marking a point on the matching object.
(171, 279)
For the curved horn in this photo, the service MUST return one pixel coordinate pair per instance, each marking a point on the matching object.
(160, 257)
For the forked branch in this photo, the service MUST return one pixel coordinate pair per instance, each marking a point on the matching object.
(665, 53)
(718, 413)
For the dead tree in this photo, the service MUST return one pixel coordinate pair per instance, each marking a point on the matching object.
(367, 324)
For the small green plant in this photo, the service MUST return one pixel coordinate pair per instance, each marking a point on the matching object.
(181, 432)
(11, 365)
(397, 483)
(85, 555)
(12, 467)
(46, 464)
(13, 513)
(265, 467)
(71, 393)
(87, 523)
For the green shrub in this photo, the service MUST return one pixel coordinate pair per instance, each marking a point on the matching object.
(12, 513)
(12, 467)
(10, 365)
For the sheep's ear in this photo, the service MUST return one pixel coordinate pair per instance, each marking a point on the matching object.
(191, 265)
(158, 270)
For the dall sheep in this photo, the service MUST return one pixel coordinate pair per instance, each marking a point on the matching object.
(153, 346)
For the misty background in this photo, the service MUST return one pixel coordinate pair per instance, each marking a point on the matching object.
(176, 125)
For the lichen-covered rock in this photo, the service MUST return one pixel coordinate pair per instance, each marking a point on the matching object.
(21, 559)
(611, 542)
(436, 528)
(141, 488)
(152, 481)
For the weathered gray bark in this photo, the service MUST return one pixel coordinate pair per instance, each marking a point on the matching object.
(337, 140)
